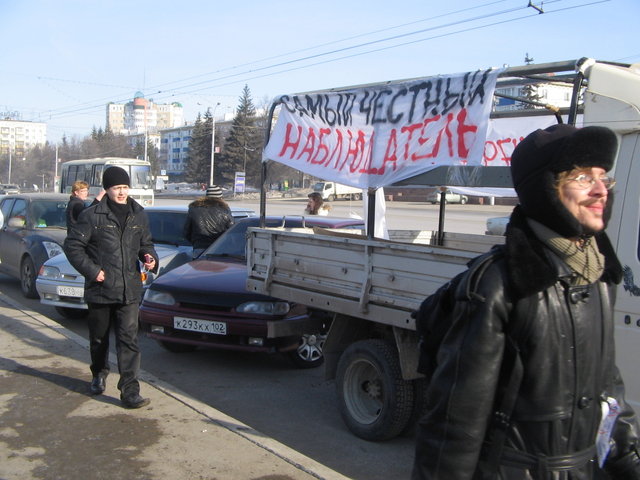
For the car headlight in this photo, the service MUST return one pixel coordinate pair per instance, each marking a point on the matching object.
(163, 298)
(52, 248)
(264, 308)
(49, 272)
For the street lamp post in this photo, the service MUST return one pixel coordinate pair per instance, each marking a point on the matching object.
(213, 141)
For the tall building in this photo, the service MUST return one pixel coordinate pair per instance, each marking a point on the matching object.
(140, 115)
(174, 149)
(17, 136)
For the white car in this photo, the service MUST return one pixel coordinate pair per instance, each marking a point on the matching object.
(60, 285)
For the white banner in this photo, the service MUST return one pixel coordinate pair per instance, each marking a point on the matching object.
(375, 136)
(505, 133)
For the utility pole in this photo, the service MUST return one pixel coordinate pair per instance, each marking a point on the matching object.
(213, 142)
(55, 171)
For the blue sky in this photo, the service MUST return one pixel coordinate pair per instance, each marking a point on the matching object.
(62, 61)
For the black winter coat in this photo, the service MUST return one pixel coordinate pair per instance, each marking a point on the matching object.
(208, 218)
(565, 337)
(98, 242)
(74, 207)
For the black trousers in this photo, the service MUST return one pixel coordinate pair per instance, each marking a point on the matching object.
(124, 321)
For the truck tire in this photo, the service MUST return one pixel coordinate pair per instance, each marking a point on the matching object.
(375, 402)
(331, 198)
(357, 196)
(420, 386)
(463, 200)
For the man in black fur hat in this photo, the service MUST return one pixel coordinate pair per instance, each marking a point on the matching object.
(107, 245)
(207, 219)
(549, 298)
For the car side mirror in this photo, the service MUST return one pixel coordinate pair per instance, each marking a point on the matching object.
(16, 222)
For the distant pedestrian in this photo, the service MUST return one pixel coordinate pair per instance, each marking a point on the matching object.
(78, 200)
(316, 205)
(207, 219)
(107, 245)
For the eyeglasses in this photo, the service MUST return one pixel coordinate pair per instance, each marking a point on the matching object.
(585, 181)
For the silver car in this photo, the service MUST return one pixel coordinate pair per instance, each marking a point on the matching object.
(60, 285)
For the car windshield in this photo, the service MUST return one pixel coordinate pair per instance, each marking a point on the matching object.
(232, 243)
(49, 213)
(167, 227)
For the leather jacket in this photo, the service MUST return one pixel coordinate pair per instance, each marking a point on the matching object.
(98, 242)
(208, 218)
(564, 335)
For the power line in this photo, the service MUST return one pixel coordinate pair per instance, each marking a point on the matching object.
(211, 83)
(67, 112)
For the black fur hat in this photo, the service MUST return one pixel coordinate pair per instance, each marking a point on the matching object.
(542, 155)
(113, 176)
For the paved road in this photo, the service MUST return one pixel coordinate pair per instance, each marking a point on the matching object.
(295, 407)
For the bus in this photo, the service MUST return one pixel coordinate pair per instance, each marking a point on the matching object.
(91, 170)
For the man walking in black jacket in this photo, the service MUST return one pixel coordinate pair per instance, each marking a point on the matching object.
(107, 245)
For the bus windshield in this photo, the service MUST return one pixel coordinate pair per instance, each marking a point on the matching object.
(139, 176)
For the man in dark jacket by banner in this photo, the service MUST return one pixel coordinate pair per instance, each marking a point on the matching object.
(208, 218)
(551, 294)
(107, 245)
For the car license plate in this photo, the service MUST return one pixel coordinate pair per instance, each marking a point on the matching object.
(70, 291)
(203, 326)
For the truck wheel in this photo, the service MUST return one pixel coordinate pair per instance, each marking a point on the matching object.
(309, 352)
(463, 201)
(420, 386)
(72, 313)
(357, 196)
(28, 276)
(374, 400)
(331, 198)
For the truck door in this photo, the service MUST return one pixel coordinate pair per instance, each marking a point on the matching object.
(624, 230)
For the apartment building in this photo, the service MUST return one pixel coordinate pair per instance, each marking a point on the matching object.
(17, 136)
(142, 115)
(173, 153)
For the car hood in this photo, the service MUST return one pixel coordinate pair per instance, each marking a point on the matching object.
(169, 257)
(208, 281)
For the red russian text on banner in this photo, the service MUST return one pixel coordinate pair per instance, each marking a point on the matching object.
(375, 136)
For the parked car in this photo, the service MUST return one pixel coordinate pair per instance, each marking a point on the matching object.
(450, 197)
(497, 225)
(32, 229)
(61, 285)
(9, 189)
(206, 303)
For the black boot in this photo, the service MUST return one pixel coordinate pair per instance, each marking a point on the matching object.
(133, 401)
(98, 385)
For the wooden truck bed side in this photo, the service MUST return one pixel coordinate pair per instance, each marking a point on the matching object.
(381, 281)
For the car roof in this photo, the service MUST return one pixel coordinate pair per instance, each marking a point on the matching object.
(39, 196)
(183, 208)
(314, 221)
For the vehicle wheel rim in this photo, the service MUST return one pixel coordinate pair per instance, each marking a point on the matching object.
(311, 345)
(363, 392)
(27, 277)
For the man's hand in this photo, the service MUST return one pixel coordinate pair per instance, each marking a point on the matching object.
(100, 277)
(149, 262)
